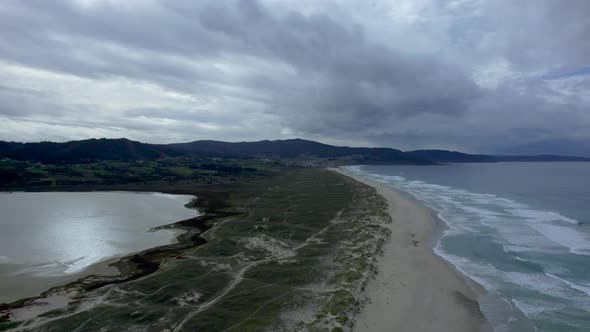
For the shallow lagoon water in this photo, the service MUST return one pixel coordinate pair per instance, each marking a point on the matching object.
(54, 234)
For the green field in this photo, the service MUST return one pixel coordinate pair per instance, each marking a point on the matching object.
(21, 175)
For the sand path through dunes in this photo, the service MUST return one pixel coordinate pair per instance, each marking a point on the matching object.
(416, 290)
(240, 277)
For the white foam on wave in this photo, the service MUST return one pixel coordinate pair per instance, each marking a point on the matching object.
(563, 293)
(468, 268)
(516, 249)
(517, 228)
(566, 236)
(530, 308)
(441, 218)
(578, 287)
(480, 212)
(516, 236)
(388, 178)
(503, 214)
(541, 216)
(429, 187)
(538, 282)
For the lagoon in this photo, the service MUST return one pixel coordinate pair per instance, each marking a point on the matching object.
(54, 237)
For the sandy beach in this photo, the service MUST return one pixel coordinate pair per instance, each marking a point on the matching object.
(414, 289)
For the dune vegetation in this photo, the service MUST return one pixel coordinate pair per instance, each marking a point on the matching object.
(289, 252)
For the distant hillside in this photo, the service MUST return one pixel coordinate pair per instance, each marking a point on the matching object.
(542, 157)
(124, 149)
(444, 156)
(85, 150)
(294, 148)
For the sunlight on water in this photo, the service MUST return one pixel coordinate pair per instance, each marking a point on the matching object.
(48, 234)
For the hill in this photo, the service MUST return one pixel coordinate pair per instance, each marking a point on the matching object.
(542, 157)
(444, 156)
(85, 150)
(297, 148)
(124, 149)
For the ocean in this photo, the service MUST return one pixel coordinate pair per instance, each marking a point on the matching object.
(521, 230)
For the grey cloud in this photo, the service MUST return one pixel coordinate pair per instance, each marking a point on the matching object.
(186, 115)
(541, 34)
(324, 73)
(21, 102)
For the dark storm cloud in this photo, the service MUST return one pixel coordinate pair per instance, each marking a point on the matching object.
(466, 75)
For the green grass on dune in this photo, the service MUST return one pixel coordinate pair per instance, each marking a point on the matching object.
(303, 242)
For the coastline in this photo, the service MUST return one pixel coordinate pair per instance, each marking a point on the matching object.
(15, 287)
(335, 220)
(414, 289)
(31, 288)
(24, 288)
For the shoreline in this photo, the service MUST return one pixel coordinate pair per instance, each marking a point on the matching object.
(32, 287)
(108, 267)
(105, 267)
(415, 289)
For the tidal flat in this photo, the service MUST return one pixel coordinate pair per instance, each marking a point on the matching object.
(289, 252)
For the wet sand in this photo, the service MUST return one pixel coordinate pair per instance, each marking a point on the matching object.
(414, 289)
(16, 286)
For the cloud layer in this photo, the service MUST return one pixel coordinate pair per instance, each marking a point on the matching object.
(481, 76)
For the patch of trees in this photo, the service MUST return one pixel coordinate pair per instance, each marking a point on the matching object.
(9, 176)
(223, 168)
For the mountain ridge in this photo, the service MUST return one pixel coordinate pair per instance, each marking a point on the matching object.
(83, 150)
(294, 148)
(125, 149)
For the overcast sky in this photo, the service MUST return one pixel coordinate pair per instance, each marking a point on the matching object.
(496, 76)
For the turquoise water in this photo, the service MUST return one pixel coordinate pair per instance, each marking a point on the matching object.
(521, 230)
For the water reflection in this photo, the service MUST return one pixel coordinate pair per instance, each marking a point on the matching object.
(57, 233)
